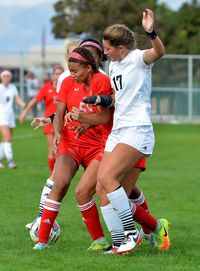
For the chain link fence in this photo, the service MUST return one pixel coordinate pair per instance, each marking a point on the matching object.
(175, 82)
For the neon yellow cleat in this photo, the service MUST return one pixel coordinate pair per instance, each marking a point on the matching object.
(161, 236)
(99, 245)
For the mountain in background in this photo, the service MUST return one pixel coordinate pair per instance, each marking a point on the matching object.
(22, 27)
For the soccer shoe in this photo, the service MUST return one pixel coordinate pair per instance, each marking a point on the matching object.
(131, 239)
(29, 225)
(40, 246)
(12, 165)
(161, 236)
(99, 244)
(1, 165)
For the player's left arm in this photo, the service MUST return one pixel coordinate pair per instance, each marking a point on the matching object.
(158, 49)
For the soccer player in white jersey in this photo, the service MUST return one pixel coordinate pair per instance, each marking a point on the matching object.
(132, 136)
(8, 95)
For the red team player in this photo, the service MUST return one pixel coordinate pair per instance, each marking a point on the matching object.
(48, 94)
(84, 81)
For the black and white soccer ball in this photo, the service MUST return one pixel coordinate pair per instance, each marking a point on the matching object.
(54, 234)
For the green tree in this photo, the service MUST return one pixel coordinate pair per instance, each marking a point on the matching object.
(179, 30)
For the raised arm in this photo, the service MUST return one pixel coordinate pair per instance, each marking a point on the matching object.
(158, 50)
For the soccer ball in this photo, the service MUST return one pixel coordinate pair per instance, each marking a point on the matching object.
(54, 234)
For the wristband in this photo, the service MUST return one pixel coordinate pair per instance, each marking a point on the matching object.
(52, 117)
(152, 35)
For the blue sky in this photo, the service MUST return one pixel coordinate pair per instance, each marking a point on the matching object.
(172, 3)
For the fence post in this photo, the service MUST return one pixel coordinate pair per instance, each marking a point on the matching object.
(190, 88)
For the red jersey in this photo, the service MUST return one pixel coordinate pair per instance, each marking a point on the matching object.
(48, 94)
(73, 93)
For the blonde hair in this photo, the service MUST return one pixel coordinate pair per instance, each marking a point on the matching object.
(71, 46)
(120, 34)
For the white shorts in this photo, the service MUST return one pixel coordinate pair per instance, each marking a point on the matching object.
(139, 137)
(7, 119)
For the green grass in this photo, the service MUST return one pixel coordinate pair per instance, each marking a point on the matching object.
(170, 184)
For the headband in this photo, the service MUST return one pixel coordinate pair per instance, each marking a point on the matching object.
(77, 56)
(4, 73)
(91, 43)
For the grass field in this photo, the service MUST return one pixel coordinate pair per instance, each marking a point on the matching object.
(171, 185)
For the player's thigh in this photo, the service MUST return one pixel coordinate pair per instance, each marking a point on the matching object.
(6, 133)
(87, 184)
(118, 162)
(64, 170)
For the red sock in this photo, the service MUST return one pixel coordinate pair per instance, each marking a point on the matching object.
(144, 218)
(49, 214)
(145, 206)
(91, 219)
(51, 162)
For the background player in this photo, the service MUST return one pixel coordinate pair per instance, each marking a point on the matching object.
(8, 95)
(48, 94)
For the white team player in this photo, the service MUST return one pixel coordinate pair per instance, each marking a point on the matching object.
(8, 95)
(132, 136)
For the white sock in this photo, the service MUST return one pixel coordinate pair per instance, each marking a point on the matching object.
(1, 151)
(120, 204)
(45, 192)
(140, 200)
(7, 146)
(114, 224)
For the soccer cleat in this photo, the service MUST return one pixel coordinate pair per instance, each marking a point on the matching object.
(29, 225)
(161, 236)
(1, 165)
(99, 244)
(131, 239)
(40, 246)
(12, 165)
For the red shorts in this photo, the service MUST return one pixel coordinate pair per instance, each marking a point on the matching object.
(83, 156)
(141, 164)
(48, 130)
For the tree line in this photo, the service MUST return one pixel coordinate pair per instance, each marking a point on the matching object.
(179, 30)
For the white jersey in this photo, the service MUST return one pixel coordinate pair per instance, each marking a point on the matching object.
(7, 96)
(61, 78)
(131, 80)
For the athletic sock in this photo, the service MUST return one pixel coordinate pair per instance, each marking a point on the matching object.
(143, 217)
(49, 214)
(114, 224)
(7, 146)
(120, 204)
(91, 219)
(141, 201)
(51, 162)
(45, 192)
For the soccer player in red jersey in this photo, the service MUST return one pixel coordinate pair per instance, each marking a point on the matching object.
(48, 94)
(85, 80)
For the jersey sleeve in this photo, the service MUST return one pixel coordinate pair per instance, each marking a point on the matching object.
(15, 91)
(104, 85)
(65, 86)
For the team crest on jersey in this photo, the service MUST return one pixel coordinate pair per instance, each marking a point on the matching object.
(50, 90)
(76, 89)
